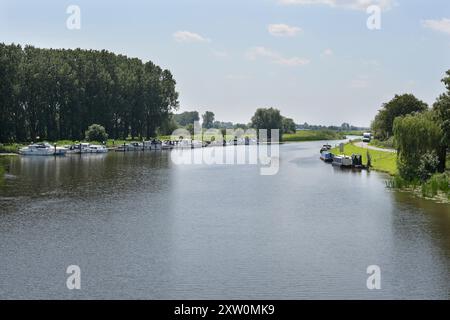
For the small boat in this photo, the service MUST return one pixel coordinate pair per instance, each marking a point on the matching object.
(42, 149)
(133, 146)
(83, 148)
(197, 144)
(326, 156)
(95, 148)
(325, 147)
(189, 144)
(184, 144)
(153, 145)
(342, 161)
(167, 145)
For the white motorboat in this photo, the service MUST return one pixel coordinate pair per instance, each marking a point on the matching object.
(83, 148)
(167, 145)
(42, 149)
(197, 144)
(96, 148)
(133, 146)
(153, 145)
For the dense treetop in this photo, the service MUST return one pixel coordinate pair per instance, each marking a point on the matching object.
(57, 93)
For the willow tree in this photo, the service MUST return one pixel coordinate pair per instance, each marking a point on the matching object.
(441, 109)
(415, 135)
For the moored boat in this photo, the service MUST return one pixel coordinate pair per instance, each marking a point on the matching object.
(326, 156)
(342, 161)
(83, 148)
(42, 149)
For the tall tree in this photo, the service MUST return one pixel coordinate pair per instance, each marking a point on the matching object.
(415, 136)
(208, 119)
(186, 118)
(56, 94)
(441, 109)
(400, 105)
(267, 118)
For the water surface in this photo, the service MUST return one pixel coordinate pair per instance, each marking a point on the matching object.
(140, 226)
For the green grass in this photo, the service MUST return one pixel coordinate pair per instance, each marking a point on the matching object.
(389, 143)
(313, 135)
(353, 133)
(381, 160)
(10, 148)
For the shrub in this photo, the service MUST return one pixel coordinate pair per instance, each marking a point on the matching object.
(428, 165)
(96, 132)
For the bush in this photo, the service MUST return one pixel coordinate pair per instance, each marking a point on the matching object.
(428, 165)
(96, 132)
(438, 182)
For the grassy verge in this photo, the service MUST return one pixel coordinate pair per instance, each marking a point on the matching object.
(313, 135)
(387, 144)
(10, 148)
(353, 133)
(380, 160)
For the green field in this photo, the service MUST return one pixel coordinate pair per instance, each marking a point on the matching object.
(313, 135)
(381, 161)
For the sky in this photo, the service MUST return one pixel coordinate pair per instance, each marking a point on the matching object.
(315, 60)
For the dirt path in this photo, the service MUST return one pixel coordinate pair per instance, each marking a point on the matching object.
(365, 145)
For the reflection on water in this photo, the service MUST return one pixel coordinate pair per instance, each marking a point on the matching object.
(142, 227)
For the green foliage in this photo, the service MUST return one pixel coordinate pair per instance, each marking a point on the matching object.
(168, 126)
(437, 183)
(387, 144)
(380, 160)
(96, 132)
(267, 118)
(428, 165)
(186, 118)
(10, 148)
(312, 135)
(383, 124)
(208, 119)
(415, 136)
(289, 125)
(57, 93)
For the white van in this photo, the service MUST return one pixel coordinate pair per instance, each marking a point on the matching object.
(367, 137)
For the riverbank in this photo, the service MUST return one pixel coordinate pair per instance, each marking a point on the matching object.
(436, 188)
(313, 135)
(383, 161)
(299, 136)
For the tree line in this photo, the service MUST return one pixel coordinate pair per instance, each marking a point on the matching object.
(420, 134)
(56, 94)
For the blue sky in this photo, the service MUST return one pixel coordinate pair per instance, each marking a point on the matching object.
(315, 60)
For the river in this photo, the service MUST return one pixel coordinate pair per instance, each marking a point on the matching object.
(140, 226)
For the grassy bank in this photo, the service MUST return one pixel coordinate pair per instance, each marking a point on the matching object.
(380, 160)
(387, 144)
(313, 135)
(437, 187)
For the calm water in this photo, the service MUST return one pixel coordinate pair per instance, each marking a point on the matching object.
(140, 226)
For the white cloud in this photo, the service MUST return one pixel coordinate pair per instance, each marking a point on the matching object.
(442, 25)
(348, 4)
(283, 30)
(189, 37)
(327, 52)
(292, 62)
(275, 57)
